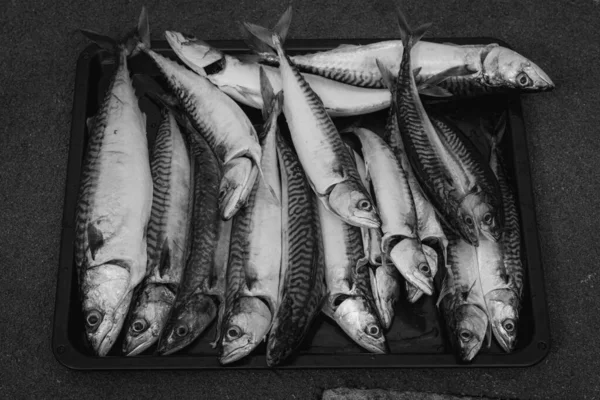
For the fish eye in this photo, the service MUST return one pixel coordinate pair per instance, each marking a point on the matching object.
(465, 335)
(139, 326)
(234, 332)
(487, 218)
(509, 325)
(182, 330)
(424, 268)
(365, 205)
(93, 319)
(469, 220)
(373, 330)
(524, 80)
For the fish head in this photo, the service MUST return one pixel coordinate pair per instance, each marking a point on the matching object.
(408, 257)
(466, 222)
(503, 305)
(186, 322)
(147, 319)
(503, 67)
(245, 328)
(357, 319)
(470, 330)
(195, 53)
(236, 184)
(413, 293)
(106, 295)
(386, 291)
(350, 201)
(486, 219)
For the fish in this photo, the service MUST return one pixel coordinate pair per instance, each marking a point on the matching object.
(302, 285)
(113, 205)
(462, 299)
(383, 275)
(201, 293)
(449, 170)
(217, 117)
(238, 77)
(235, 185)
(320, 148)
(350, 300)
(492, 68)
(507, 302)
(394, 201)
(255, 260)
(167, 237)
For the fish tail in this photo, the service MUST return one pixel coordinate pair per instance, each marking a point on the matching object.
(409, 36)
(129, 43)
(264, 40)
(271, 101)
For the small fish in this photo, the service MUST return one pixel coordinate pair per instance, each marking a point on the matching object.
(255, 261)
(235, 186)
(217, 117)
(168, 235)
(203, 283)
(302, 284)
(492, 68)
(320, 148)
(452, 174)
(239, 78)
(350, 301)
(413, 293)
(113, 205)
(463, 300)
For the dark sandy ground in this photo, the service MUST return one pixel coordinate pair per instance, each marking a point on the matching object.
(37, 71)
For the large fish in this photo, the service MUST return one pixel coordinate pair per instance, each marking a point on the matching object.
(113, 207)
(168, 235)
(350, 300)
(321, 151)
(492, 68)
(462, 299)
(383, 275)
(218, 118)
(202, 290)
(394, 201)
(239, 78)
(255, 260)
(451, 172)
(505, 304)
(302, 285)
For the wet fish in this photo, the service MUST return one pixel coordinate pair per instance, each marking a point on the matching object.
(218, 118)
(383, 275)
(202, 287)
(463, 300)
(350, 301)
(167, 237)
(492, 68)
(302, 285)
(507, 302)
(321, 151)
(394, 201)
(255, 260)
(239, 78)
(113, 206)
(450, 171)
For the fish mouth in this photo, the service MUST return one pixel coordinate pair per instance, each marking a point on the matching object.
(140, 348)
(105, 344)
(230, 203)
(505, 341)
(470, 354)
(413, 293)
(236, 354)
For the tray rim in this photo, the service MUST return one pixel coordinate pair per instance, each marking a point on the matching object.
(71, 358)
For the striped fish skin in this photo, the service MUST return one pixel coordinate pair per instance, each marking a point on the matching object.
(167, 237)
(202, 285)
(254, 269)
(495, 68)
(303, 286)
(239, 79)
(320, 148)
(463, 300)
(113, 210)
(350, 301)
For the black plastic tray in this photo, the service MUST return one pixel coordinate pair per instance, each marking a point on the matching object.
(417, 338)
